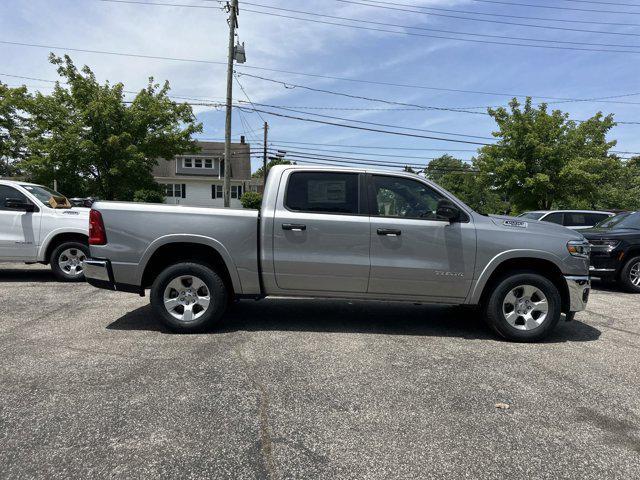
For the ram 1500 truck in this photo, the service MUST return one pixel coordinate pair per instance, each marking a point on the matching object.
(38, 225)
(341, 233)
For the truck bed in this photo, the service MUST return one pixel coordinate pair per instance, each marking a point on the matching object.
(136, 230)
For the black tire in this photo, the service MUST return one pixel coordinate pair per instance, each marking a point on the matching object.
(66, 274)
(625, 275)
(495, 317)
(206, 317)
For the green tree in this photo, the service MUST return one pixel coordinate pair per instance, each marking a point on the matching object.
(94, 142)
(543, 159)
(271, 163)
(12, 127)
(251, 200)
(469, 185)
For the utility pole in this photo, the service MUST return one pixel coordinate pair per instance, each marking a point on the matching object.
(264, 155)
(233, 24)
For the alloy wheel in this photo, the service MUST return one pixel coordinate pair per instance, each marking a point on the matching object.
(186, 298)
(71, 261)
(525, 307)
(634, 274)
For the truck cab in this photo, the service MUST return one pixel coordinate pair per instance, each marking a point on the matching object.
(37, 225)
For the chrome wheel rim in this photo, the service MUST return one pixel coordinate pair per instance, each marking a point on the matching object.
(634, 274)
(525, 307)
(71, 261)
(186, 298)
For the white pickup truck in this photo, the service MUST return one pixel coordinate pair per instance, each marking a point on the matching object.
(35, 228)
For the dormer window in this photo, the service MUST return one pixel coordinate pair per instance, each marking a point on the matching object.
(187, 162)
(197, 162)
(208, 163)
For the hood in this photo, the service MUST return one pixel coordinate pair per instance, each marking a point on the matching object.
(76, 212)
(596, 233)
(535, 226)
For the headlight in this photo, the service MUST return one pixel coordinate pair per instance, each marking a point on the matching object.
(606, 245)
(578, 248)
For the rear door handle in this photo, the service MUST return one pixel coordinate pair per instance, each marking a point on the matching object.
(389, 232)
(294, 227)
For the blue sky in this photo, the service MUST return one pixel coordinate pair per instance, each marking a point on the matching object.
(315, 48)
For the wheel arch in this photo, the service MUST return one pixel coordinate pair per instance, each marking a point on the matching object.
(544, 265)
(176, 248)
(59, 237)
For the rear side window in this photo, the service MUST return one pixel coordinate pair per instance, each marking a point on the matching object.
(576, 219)
(322, 192)
(553, 218)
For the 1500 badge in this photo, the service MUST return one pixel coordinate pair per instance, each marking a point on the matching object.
(442, 273)
(515, 223)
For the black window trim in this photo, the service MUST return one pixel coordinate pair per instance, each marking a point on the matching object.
(372, 199)
(29, 197)
(363, 207)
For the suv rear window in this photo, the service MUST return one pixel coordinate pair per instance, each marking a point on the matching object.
(322, 192)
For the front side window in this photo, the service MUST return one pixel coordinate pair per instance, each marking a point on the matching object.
(6, 193)
(405, 198)
(43, 194)
(323, 192)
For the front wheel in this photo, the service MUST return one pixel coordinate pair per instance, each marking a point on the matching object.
(188, 297)
(67, 261)
(630, 275)
(524, 307)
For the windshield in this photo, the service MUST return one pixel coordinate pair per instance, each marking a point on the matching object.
(622, 220)
(43, 194)
(532, 215)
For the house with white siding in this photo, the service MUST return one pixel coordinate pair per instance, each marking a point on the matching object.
(196, 179)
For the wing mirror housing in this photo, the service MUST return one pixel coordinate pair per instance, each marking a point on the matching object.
(448, 211)
(19, 204)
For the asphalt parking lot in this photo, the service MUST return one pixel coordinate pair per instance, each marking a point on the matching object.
(92, 387)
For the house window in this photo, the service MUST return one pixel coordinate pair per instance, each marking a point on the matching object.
(187, 162)
(236, 191)
(216, 191)
(175, 190)
(197, 162)
(208, 163)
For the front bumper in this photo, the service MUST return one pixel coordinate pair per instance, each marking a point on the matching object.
(99, 273)
(579, 288)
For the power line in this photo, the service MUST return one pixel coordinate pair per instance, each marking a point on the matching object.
(321, 150)
(387, 24)
(386, 6)
(487, 42)
(575, 9)
(344, 79)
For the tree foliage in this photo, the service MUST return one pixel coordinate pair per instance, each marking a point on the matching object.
(543, 159)
(272, 163)
(13, 102)
(94, 142)
(251, 200)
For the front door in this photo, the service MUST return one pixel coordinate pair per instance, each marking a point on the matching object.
(413, 252)
(18, 229)
(321, 233)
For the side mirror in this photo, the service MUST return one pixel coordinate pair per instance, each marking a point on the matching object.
(448, 211)
(19, 204)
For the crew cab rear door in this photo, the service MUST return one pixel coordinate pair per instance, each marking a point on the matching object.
(413, 251)
(321, 232)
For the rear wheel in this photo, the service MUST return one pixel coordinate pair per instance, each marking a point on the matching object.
(67, 261)
(630, 275)
(189, 297)
(523, 307)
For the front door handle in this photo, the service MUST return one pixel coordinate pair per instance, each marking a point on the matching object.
(294, 227)
(389, 232)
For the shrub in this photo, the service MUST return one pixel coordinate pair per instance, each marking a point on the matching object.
(251, 200)
(148, 196)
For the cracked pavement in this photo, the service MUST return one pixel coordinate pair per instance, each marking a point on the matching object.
(93, 387)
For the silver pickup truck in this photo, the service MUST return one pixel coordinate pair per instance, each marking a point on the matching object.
(341, 233)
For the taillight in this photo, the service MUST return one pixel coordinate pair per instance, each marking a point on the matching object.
(97, 235)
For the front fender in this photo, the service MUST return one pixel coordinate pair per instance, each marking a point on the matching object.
(187, 238)
(42, 250)
(496, 261)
